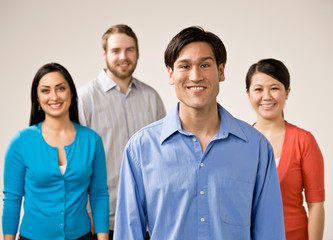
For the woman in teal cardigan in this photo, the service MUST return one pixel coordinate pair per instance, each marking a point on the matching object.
(54, 165)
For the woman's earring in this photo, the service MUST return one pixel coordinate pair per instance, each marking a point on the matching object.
(38, 107)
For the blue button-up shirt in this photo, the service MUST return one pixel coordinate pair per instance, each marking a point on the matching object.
(230, 191)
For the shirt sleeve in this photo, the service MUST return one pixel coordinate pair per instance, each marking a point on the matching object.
(81, 107)
(14, 175)
(98, 190)
(83, 119)
(267, 212)
(160, 113)
(130, 223)
(313, 170)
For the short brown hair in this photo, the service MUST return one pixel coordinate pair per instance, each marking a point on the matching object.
(119, 28)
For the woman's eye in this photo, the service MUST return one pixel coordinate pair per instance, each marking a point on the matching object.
(45, 90)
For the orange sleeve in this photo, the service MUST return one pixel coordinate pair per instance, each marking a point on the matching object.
(313, 170)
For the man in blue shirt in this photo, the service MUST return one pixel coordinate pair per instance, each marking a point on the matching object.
(199, 173)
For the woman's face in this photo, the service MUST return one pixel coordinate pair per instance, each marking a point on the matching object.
(54, 95)
(267, 96)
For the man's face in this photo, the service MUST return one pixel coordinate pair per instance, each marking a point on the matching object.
(196, 76)
(121, 56)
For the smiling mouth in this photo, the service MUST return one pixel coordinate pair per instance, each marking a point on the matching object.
(55, 105)
(196, 88)
(124, 65)
(267, 105)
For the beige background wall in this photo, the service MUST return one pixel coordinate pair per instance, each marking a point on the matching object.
(298, 32)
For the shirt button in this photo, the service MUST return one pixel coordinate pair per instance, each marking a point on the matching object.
(202, 219)
(201, 164)
(202, 192)
(194, 139)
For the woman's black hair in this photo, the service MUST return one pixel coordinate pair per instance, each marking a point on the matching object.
(37, 114)
(272, 67)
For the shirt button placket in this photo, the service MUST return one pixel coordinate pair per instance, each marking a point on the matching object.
(62, 212)
(202, 200)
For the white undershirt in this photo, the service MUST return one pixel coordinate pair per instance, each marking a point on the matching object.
(277, 160)
(62, 169)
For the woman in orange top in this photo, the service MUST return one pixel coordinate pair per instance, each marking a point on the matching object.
(298, 158)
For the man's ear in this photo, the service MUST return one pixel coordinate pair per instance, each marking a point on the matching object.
(221, 72)
(170, 72)
(103, 54)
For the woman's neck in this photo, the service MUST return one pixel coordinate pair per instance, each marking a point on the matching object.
(57, 125)
(270, 127)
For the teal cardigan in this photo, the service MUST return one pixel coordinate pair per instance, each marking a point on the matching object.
(55, 205)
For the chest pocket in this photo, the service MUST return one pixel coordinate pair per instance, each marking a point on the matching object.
(235, 204)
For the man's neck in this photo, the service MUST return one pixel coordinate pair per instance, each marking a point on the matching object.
(202, 123)
(123, 83)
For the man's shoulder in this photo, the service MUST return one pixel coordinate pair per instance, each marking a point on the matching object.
(89, 88)
(151, 132)
(247, 127)
(144, 86)
(248, 130)
(251, 132)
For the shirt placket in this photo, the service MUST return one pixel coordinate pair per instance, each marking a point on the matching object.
(202, 206)
(63, 198)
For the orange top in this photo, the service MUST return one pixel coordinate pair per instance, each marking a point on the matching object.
(301, 167)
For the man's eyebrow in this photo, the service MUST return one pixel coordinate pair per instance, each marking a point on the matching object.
(186, 60)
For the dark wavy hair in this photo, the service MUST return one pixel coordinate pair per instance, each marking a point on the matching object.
(36, 115)
(194, 34)
(272, 67)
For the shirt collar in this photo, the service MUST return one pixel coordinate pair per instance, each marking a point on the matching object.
(229, 125)
(107, 83)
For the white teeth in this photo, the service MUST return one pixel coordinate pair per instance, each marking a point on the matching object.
(197, 88)
(268, 105)
(55, 105)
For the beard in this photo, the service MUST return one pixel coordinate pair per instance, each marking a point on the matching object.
(122, 75)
